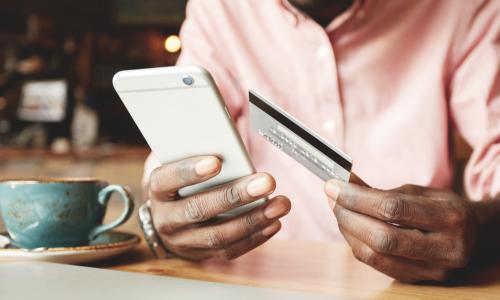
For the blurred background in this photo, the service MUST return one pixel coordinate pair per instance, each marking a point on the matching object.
(57, 59)
(59, 114)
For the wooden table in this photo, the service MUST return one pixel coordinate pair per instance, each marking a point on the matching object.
(326, 268)
(312, 267)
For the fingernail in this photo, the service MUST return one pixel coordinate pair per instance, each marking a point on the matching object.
(260, 186)
(206, 166)
(275, 210)
(271, 229)
(332, 189)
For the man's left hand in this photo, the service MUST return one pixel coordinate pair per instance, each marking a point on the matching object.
(411, 233)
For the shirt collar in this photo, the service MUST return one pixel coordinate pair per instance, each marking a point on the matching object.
(292, 14)
(295, 16)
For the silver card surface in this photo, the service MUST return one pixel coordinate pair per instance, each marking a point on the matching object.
(299, 142)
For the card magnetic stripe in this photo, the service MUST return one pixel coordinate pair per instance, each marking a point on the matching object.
(300, 131)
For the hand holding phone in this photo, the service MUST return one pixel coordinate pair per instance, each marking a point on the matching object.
(186, 225)
(206, 172)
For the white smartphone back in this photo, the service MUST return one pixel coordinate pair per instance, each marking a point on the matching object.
(181, 113)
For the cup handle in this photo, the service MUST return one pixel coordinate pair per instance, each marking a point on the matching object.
(103, 198)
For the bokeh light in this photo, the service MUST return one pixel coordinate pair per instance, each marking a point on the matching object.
(172, 43)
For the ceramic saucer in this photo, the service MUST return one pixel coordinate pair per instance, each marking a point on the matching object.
(104, 246)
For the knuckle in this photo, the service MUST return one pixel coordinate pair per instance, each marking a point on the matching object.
(194, 210)
(170, 241)
(184, 170)
(408, 188)
(226, 254)
(460, 257)
(392, 207)
(162, 225)
(426, 249)
(253, 239)
(231, 196)
(155, 180)
(250, 222)
(342, 231)
(457, 218)
(341, 215)
(215, 239)
(366, 255)
(357, 254)
(348, 197)
(165, 229)
(384, 241)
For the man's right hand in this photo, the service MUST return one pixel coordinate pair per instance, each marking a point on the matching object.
(182, 222)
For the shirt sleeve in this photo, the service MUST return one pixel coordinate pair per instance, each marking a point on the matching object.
(475, 98)
(203, 45)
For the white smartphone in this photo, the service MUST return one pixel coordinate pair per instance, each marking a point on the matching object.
(181, 114)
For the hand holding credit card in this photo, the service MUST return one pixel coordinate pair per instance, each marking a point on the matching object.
(299, 142)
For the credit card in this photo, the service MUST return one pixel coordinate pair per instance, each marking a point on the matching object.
(301, 143)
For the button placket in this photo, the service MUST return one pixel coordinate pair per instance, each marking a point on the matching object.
(329, 96)
(323, 89)
(336, 90)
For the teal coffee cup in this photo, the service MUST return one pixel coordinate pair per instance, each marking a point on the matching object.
(58, 212)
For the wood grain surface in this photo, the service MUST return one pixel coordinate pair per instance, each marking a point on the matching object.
(325, 268)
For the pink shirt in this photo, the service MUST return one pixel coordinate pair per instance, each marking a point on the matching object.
(384, 82)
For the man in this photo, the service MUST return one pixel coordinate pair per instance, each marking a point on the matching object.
(383, 80)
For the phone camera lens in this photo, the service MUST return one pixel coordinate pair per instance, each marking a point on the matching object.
(188, 80)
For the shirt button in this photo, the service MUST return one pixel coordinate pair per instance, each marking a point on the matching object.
(323, 52)
(329, 125)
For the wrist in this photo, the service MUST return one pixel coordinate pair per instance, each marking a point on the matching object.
(487, 215)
